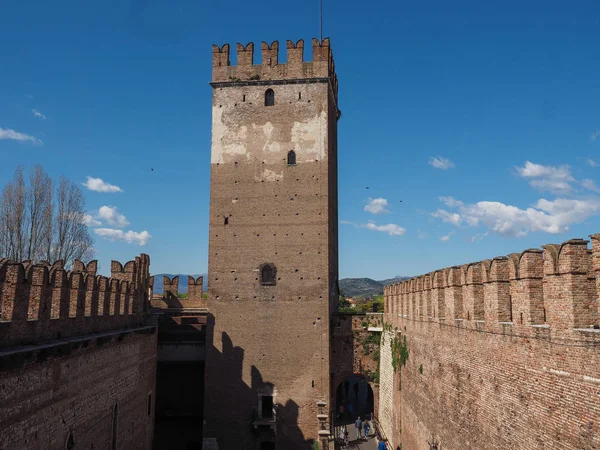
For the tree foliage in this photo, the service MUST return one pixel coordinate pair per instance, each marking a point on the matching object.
(40, 223)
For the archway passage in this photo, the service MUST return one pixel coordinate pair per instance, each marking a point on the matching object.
(353, 398)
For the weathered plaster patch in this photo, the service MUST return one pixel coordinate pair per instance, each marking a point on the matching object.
(308, 138)
(270, 175)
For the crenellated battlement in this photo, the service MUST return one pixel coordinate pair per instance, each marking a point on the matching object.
(556, 287)
(322, 64)
(170, 296)
(41, 302)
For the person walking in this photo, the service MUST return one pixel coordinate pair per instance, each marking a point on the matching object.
(367, 428)
(382, 444)
(358, 426)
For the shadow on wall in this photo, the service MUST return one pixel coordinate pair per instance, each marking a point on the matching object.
(246, 417)
(179, 383)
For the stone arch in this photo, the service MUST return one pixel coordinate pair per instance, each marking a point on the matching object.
(361, 398)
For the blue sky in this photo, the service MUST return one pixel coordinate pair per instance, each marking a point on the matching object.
(483, 119)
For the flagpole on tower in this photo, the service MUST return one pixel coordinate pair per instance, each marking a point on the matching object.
(320, 21)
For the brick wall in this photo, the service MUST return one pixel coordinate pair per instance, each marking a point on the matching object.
(510, 359)
(73, 347)
(387, 388)
(170, 299)
(41, 302)
(350, 355)
(66, 387)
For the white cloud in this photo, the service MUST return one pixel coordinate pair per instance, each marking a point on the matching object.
(590, 185)
(546, 216)
(547, 178)
(450, 202)
(447, 237)
(595, 135)
(592, 163)
(7, 133)
(110, 215)
(441, 163)
(448, 217)
(99, 185)
(377, 206)
(478, 237)
(36, 113)
(90, 221)
(130, 237)
(391, 228)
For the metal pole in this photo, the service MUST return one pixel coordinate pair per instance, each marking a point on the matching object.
(320, 21)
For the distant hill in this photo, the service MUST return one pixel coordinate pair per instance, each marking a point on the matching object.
(352, 287)
(365, 287)
(183, 287)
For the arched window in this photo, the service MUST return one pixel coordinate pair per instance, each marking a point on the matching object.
(267, 274)
(291, 158)
(269, 97)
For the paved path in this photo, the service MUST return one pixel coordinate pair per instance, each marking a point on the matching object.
(361, 444)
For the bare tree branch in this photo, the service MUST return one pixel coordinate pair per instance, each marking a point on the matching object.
(72, 238)
(13, 227)
(39, 201)
(33, 227)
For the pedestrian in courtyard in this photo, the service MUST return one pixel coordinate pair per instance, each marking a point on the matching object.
(382, 444)
(367, 428)
(341, 412)
(358, 426)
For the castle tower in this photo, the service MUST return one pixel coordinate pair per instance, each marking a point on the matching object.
(273, 252)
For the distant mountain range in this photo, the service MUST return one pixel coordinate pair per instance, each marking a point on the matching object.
(351, 287)
(366, 287)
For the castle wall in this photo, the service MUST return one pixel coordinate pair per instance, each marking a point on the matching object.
(74, 388)
(73, 347)
(385, 412)
(170, 298)
(264, 211)
(353, 353)
(42, 302)
(510, 359)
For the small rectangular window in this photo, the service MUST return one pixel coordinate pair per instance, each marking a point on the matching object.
(226, 220)
(150, 404)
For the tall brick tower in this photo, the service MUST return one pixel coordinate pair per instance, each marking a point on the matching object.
(273, 248)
